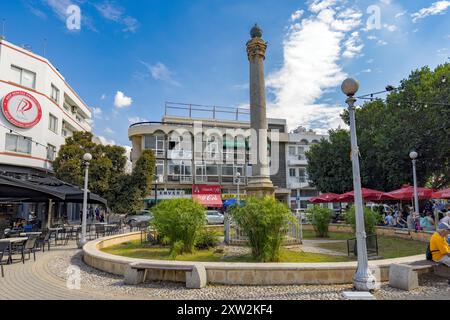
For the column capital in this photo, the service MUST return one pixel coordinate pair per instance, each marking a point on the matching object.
(256, 47)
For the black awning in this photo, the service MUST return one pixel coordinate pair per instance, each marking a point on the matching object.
(41, 188)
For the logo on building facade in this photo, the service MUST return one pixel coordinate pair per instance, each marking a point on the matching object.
(21, 109)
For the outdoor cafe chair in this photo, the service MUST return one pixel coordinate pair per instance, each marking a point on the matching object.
(29, 247)
(4, 248)
(100, 229)
(44, 239)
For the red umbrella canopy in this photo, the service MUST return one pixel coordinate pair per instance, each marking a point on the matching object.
(367, 194)
(407, 193)
(324, 198)
(442, 194)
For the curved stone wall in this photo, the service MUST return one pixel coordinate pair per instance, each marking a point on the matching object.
(240, 273)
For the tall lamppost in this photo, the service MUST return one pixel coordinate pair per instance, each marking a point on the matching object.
(87, 157)
(238, 181)
(363, 280)
(413, 155)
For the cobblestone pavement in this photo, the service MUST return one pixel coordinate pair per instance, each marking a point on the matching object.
(47, 279)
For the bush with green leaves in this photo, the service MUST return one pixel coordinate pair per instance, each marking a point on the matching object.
(320, 219)
(371, 219)
(207, 239)
(264, 221)
(179, 221)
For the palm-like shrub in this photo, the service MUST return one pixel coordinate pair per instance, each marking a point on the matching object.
(320, 219)
(179, 222)
(264, 221)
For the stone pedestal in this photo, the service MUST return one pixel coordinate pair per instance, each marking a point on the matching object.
(260, 187)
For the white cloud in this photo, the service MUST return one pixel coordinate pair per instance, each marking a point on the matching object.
(59, 7)
(319, 5)
(353, 46)
(115, 13)
(103, 97)
(313, 50)
(367, 70)
(381, 42)
(108, 130)
(121, 100)
(297, 15)
(390, 27)
(370, 60)
(400, 14)
(386, 1)
(104, 141)
(372, 37)
(437, 7)
(161, 72)
(97, 112)
(136, 119)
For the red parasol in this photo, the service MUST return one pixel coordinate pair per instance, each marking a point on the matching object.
(441, 194)
(324, 198)
(407, 193)
(367, 194)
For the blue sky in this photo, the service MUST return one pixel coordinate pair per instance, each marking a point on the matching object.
(129, 57)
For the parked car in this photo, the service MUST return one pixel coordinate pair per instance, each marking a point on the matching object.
(375, 207)
(302, 213)
(140, 217)
(214, 217)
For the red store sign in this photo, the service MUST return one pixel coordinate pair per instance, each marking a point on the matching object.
(21, 109)
(208, 195)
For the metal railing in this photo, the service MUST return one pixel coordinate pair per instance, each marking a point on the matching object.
(214, 112)
(234, 235)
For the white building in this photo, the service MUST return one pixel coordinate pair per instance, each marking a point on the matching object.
(300, 140)
(39, 109)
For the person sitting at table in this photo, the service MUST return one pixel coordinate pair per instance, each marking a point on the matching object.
(427, 222)
(400, 222)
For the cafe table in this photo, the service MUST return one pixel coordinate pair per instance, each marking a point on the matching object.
(12, 241)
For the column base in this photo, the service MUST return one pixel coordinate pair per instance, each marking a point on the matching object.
(260, 187)
(365, 283)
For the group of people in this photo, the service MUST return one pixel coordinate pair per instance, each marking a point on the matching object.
(96, 213)
(407, 218)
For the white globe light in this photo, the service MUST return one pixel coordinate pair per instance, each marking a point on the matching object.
(413, 155)
(238, 174)
(87, 157)
(350, 86)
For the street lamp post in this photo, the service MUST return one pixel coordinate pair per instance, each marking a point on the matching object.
(157, 179)
(238, 181)
(87, 157)
(363, 280)
(413, 155)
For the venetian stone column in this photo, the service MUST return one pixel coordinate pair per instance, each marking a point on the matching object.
(259, 185)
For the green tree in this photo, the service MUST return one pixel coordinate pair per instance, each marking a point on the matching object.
(413, 117)
(107, 176)
(329, 165)
(68, 165)
(143, 172)
(264, 221)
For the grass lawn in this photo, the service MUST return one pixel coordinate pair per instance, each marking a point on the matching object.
(135, 250)
(387, 247)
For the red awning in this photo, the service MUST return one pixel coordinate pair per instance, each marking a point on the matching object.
(207, 195)
(367, 194)
(442, 194)
(325, 198)
(407, 193)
